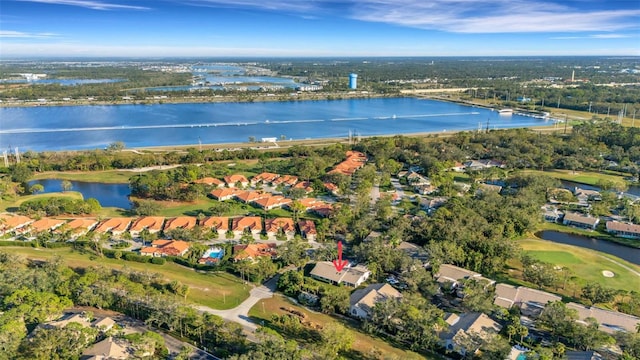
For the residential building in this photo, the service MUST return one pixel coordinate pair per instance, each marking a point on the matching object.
(285, 180)
(362, 301)
(67, 319)
(552, 214)
(222, 194)
(103, 324)
(304, 185)
(332, 188)
(265, 178)
(530, 301)
(78, 227)
(414, 251)
(308, 229)
(580, 220)
(236, 180)
(463, 326)
(584, 195)
(42, 225)
(273, 226)
(252, 224)
(153, 224)
(210, 181)
(416, 179)
(10, 222)
(254, 251)
(251, 196)
(350, 276)
(453, 274)
(161, 248)
(272, 202)
(216, 223)
(115, 226)
(623, 229)
(310, 203)
(107, 349)
(354, 161)
(323, 210)
(609, 321)
(180, 222)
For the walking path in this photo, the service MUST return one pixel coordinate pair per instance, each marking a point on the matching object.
(240, 313)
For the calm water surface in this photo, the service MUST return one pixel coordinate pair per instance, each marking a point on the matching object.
(109, 195)
(89, 127)
(623, 252)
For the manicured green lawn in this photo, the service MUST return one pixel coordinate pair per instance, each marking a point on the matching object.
(583, 177)
(10, 205)
(219, 291)
(586, 265)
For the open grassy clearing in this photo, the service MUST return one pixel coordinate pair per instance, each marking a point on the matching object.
(11, 205)
(583, 177)
(585, 265)
(219, 291)
(363, 343)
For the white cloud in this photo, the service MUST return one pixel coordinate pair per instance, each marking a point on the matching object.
(592, 36)
(20, 34)
(296, 6)
(495, 16)
(90, 4)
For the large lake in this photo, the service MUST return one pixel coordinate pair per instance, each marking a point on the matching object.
(95, 126)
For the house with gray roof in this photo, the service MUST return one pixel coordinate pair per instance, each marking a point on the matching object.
(530, 301)
(609, 321)
(465, 326)
(621, 229)
(350, 276)
(105, 349)
(363, 301)
(580, 220)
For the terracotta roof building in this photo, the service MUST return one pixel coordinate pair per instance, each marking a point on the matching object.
(250, 223)
(251, 196)
(153, 224)
(180, 222)
(79, 226)
(44, 224)
(286, 225)
(308, 229)
(236, 180)
(304, 185)
(354, 161)
(363, 301)
(286, 180)
(210, 181)
(264, 177)
(161, 248)
(222, 194)
(254, 251)
(272, 202)
(9, 222)
(216, 223)
(115, 226)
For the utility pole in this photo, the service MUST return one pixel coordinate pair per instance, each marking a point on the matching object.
(565, 123)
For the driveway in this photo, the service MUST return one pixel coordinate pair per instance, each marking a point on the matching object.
(240, 313)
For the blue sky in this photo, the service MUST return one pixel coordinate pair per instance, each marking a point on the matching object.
(258, 28)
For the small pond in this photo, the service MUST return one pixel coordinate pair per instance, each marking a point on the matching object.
(623, 252)
(109, 195)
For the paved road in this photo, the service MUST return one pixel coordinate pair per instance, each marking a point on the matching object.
(240, 313)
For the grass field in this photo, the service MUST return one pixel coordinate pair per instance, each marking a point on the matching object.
(218, 291)
(363, 344)
(6, 205)
(583, 177)
(108, 176)
(586, 265)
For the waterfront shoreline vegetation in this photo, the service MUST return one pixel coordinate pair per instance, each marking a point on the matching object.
(106, 177)
(600, 235)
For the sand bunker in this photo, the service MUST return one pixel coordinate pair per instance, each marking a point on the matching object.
(607, 273)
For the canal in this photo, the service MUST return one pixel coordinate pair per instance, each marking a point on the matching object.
(623, 252)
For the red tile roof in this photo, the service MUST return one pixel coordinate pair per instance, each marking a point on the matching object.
(253, 251)
(251, 196)
(307, 227)
(45, 224)
(264, 177)
(288, 180)
(184, 222)
(274, 225)
(217, 223)
(81, 224)
(272, 202)
(254, 223)
(232, 180)
(210, 181)
(166, 248)
(306, 185)
(151, 223)
(114, 225)
(224, 193)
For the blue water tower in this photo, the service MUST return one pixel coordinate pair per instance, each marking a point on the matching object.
(353, 81)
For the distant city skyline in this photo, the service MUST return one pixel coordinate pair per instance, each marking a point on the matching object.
(308, 28)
